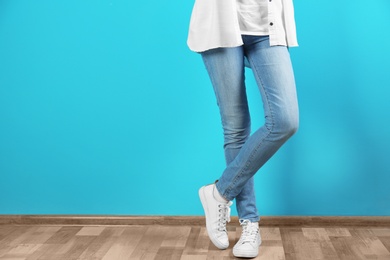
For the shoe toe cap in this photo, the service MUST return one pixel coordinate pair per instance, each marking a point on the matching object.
(221, 242)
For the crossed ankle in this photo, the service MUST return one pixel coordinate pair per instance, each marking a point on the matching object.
(218, 196)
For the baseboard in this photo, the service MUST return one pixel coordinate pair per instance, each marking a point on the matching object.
(376, 221)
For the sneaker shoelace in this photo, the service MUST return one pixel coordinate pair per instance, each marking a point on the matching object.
(249, 232)
(224, 216)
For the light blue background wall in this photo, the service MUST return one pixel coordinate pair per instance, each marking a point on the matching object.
(104, 110)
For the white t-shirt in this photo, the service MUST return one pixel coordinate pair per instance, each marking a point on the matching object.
(253, 17)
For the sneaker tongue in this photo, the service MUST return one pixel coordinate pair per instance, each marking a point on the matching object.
(228, 214)
(245, 222)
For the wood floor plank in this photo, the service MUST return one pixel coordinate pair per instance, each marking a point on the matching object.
(371, 245)
(271, 252)
(176, 237)
(90, 231)
(270, 233)
(40, 235)
(344, 247)
(306, 248)
(169, 253)
(381, 232)
(13, 258)
(42, 251)
(193, 257)
(72, 249)
(385, 241)
(148, 246)
(100, 246)
(203, 242)
(126, 243)
(337, 232)
(18, 235)
(14, 238)
(5, 231)
(190, 246)
(21, 251)
(288, 245)
(320, 237)
(63, 235)
(315, 234)
(271, 247)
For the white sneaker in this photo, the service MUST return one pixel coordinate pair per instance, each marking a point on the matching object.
(250, 240)
(217, 215)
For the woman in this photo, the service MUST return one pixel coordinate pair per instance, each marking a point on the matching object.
(230, 34)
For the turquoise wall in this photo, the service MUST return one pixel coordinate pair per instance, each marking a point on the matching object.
(104, 110)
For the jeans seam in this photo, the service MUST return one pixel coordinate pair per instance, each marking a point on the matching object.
(260, 143)
(249, 161)
(267, 98)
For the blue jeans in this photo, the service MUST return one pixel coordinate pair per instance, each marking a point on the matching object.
(245, 154)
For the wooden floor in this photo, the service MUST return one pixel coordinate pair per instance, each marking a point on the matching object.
(18, 242)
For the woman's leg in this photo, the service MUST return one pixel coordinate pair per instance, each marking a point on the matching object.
(274, 75)
(226, 70)
(246, 199)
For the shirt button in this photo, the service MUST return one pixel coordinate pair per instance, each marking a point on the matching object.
(271, 23)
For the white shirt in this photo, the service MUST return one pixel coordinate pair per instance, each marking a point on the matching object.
(215, 23)
(253, 17)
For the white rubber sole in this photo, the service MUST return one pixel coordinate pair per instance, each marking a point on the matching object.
(245, 254)
(212, 237)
